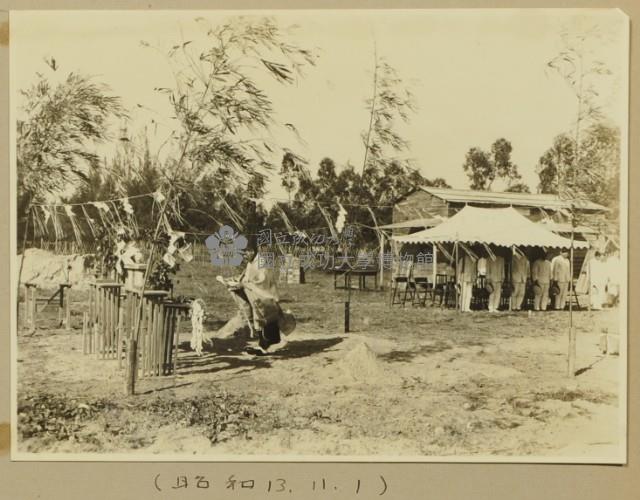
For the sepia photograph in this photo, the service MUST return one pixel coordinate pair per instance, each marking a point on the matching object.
(320, 235)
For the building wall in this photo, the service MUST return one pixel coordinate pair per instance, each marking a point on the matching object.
(419, 204)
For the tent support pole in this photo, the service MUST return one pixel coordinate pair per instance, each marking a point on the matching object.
(458, 281)
(434, 271)
(510, 280)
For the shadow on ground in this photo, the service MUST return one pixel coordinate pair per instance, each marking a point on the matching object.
(303, 348)
(230, 354)
(405, 356)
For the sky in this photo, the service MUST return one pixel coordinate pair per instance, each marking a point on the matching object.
(476, 75)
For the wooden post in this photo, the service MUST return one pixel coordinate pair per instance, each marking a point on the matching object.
(27, 308)
(132, 366)
(175, 355)
(346, 317)
(30, 306)
(121, 316)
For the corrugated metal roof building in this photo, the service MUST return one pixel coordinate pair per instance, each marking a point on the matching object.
(432, 203)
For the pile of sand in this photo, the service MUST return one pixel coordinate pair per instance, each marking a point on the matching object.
(48, 270)
(361, 364)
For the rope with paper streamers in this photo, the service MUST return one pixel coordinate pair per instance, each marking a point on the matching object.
(107, 214)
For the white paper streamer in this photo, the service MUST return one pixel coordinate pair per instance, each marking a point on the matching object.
(197, 330)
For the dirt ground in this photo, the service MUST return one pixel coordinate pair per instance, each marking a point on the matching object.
(406, 382)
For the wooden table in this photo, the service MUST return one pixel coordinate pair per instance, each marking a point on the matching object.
(347, 273)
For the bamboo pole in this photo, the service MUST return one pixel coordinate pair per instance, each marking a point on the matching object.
(589, 280)
(60, 306)
(381, 261)
(84, 333)
(109, 332)
(67, 311)
(106, 331)
(571, 362)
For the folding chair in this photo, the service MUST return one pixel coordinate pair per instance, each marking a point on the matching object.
(444, 291)
(402, 290)
(480, 296)
(573, 297)
(403, 287)
(529, 296)
(422, 290)
(505, 296)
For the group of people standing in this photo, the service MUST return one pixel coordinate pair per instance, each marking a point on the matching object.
(550, 278)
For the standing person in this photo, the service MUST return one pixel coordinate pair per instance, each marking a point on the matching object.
(612, 266)
(467, 273)
(482, 266)
(520, 270)
(495, 277)
(599, 281)
(541, 276)
(561, 274)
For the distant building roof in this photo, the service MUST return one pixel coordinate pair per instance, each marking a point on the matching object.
(408, 224)
(549, 201)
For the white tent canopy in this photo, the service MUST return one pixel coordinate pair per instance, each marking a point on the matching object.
(493, 226)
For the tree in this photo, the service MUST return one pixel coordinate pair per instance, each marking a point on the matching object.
(519, 187)
(504, 167)
(389, 104)
(57, 131)
(555, 160)
(577, 65)
(484, 168)
(480, 169)
(599, 156)
(219, 104)
(578, 68)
